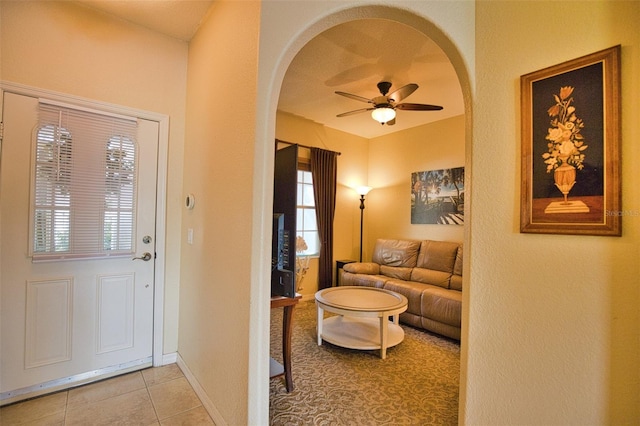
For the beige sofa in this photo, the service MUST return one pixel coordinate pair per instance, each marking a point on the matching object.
(428, 273)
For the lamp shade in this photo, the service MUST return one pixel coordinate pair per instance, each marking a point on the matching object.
(383, 114)
(363, 190)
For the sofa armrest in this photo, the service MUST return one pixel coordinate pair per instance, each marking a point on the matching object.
(368, 268)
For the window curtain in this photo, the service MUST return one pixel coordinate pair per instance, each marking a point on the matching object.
(324, 169)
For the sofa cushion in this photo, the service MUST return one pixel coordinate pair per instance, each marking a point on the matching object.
(457, 267)
(437, 255)
(455, 283)
(430, 276)
(396, 252)
(442, 305)
(396, 272)
(411, 290)
(363, 280)
(362, 268)
(456, 278)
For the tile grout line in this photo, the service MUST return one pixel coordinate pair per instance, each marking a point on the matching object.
(162, 383)
(148, 382)
(66, 406)
(146, 386)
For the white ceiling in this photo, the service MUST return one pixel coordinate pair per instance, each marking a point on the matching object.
(355, 56)
(351, 57)
(176, 18)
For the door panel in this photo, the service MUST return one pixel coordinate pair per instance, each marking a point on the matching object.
(69, 319)
(48, 322)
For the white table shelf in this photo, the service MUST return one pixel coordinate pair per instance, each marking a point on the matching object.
(363, 317)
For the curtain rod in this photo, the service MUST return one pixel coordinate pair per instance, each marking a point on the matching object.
(303, 146)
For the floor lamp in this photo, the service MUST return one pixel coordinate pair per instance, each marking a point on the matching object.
(362, 190)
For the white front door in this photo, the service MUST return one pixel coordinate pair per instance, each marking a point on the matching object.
(69, 321)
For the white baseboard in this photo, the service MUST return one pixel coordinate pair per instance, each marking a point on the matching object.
(171, 358)
(206, 402)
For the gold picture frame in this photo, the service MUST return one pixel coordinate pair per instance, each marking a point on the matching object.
(571, 147)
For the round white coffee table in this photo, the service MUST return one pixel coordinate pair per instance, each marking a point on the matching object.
(363, 317)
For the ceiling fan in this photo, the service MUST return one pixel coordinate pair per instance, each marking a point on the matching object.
(384, 107)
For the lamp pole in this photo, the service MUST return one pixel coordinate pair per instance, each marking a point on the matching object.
(362, 190)
(361, 221)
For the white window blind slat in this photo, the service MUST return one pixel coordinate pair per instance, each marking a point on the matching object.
(85, 109)
(84, 195)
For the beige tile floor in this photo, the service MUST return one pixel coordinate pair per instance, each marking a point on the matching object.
(155, 396)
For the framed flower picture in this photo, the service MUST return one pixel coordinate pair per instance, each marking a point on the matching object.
(571, 147)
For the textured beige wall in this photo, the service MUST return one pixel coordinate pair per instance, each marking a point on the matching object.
(392, 159)
(215, 298)
(553, 320)
(66, 48)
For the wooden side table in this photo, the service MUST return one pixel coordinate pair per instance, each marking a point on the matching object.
(275, 368)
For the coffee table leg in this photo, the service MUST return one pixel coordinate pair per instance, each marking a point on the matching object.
(383, 336)
(320, 319)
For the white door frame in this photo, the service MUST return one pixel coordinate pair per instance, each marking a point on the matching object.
(163, 149)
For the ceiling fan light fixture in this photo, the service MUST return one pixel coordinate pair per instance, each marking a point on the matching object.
(383, 114)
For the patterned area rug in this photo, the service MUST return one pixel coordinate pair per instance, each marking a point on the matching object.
(417, 383)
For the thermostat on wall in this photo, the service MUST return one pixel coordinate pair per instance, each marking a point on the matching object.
(190, 201)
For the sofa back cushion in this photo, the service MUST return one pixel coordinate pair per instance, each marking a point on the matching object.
(456, 278)
(402, 253)
(437, 255)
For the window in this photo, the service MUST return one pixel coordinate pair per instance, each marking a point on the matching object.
(83, 196)
(119, 194)
(52, 197)
(306, 225)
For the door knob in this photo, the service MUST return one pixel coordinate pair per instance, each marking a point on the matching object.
(145, 256)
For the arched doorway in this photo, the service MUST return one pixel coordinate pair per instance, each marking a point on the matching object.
(374, 12)
(351, 59)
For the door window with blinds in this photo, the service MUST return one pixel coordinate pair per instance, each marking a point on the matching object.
(84, 184)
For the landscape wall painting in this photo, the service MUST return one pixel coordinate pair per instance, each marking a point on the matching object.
(437, 197)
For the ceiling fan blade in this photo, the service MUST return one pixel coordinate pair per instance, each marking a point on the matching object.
(391, 122)
(403, 92)
(357, 111)
(356, 97)
(418, 107)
